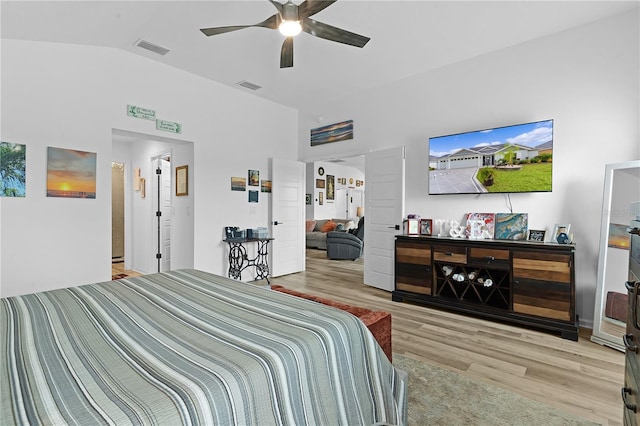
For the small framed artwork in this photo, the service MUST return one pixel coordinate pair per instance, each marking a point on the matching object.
(411, 226)
(238, 184)
(426, 226)
(319, 183)
(254, 178)
(561, 233)
(143, 187)
(265, 186)
(307, 199)
(182, 181)
(320, 198)
(253, 196)
(537, 234)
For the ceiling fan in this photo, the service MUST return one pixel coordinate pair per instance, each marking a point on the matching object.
(291, 19)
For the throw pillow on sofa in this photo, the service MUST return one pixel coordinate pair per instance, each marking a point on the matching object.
(328, 226)
(310, 225)
(339, 227)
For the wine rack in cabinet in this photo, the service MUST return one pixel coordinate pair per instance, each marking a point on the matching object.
(525, 283)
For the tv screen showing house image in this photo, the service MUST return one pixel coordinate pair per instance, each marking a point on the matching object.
(516, 158)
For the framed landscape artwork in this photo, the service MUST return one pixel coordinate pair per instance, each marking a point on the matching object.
(71, 173)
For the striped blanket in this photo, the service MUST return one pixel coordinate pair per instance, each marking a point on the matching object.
(188, 347)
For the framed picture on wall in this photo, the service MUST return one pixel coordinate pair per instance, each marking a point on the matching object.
(182, 181)
(320, 198)
(319, 183)
(331, 187)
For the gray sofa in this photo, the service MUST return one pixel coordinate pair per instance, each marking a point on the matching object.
(318, 239)
(346, 245)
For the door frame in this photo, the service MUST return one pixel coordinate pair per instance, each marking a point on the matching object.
(128, 213)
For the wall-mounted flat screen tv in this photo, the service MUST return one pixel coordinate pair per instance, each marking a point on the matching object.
(517, 158)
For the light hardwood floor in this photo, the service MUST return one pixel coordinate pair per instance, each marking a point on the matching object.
(580, 377)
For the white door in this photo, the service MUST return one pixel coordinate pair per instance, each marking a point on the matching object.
(162, 228)
(165, 223)
(342, 206)
(384, 210)
(287, 217)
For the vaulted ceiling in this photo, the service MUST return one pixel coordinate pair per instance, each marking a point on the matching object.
(407, 37)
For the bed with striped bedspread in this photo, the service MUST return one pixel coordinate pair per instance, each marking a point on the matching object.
(189, 347)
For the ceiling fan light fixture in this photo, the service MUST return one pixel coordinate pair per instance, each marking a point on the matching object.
(290, 28)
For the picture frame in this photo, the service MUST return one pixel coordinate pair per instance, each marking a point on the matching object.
(253, 196)
(182, 180)
(411, 226)
(320, 183)
(426, 226)
(320, 198)
(307, 199)
(253, 178)
(562, 233)
(537, 234)
(238, 184)
(331, 187)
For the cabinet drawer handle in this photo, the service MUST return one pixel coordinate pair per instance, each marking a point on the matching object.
(628, 343)
(624, 392)
(489, 258)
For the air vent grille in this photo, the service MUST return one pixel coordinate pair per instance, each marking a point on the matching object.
(248, 85)
(152, 47)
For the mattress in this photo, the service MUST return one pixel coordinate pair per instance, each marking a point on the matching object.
(189, 347)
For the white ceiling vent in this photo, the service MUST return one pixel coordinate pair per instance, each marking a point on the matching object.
(152, 47)
(248, 85)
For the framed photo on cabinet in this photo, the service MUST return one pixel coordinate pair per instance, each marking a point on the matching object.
(426, 225)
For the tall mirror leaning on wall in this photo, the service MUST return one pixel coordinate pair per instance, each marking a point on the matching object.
(621, 189)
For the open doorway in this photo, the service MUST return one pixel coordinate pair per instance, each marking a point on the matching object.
(140, 154)
(117, 212)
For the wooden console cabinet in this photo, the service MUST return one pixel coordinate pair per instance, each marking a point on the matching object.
(520, 282)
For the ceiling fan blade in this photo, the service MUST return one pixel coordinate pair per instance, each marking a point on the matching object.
(329, 32)
(286, 54)
(277, 5)
(271, 22)
(311, 7)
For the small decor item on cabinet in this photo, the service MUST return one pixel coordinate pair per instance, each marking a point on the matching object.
(230, 231)
(537, 234)
(447, 270)
(457, 230)
(261, 232)
(561, 233)
(426, 226)
(511, 226)
(480, 226)
(411, 225)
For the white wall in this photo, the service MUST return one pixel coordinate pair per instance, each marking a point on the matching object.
(72, 96)
(586, 79)
(328, 208)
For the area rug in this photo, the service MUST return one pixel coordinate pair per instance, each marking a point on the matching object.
(441, 397)
(118, 276)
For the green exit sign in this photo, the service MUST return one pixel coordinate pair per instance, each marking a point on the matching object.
(169, 126)
(138, 112)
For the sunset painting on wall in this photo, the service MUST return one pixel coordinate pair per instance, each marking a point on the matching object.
(70, 173)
